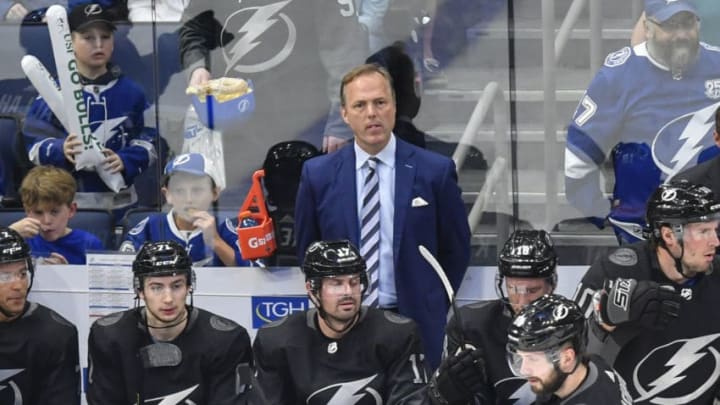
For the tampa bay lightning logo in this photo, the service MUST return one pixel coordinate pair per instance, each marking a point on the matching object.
(690, 368)
(264, 27)
(516, 390)
(9, 391)
(678, 143)
(357, 392)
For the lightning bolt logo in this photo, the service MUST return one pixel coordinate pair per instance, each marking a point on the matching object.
(522, 395)
(261, 19)
(687, 355)
(7, 374)
(176, 398)
(349, 393)
(107, 129)
(699, 124)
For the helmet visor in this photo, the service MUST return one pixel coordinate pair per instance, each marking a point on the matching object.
(531, 364)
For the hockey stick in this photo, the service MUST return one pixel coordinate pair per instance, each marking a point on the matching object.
(425, 253)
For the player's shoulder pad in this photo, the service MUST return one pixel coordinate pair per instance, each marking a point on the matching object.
(221, 324)
(623, 257)
(109, 320)
(59, 319)
(275, 323)
(396, 318)
(478, 305)
(137, 229)
(618, 57)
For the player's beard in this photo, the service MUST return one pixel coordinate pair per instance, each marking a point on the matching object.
(679, 55)
(551, 384)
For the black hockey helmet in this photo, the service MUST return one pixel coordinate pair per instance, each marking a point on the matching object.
(546, 324)
(528, 253)
(680, 202)
(330, 259)
(283, 165)
(157, 259)
(13, 248)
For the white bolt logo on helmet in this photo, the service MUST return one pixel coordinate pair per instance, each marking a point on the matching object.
(668, 195)
(561, 311)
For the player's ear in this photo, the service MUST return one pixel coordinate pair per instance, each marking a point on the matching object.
(668, 235)
(567, 359)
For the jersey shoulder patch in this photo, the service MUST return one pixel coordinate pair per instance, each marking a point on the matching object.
(59, 319)
(618, 58)
(396, 318)
(624, 257)
(222, 324)
(139, 227)
(111, 319)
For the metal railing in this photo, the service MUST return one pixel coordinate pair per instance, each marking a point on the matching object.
(495, 184)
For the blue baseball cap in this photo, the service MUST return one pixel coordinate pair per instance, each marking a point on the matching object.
(192, 163)
(661, 10)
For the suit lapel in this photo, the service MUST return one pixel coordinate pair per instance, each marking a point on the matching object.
(346, 183)
(405, 169)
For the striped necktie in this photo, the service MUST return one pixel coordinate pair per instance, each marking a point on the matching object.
(370, 230)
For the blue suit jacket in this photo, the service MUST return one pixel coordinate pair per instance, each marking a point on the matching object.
(326, 208)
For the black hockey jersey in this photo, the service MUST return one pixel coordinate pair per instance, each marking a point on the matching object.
(207, 363)
(379, 361)
(602, 385)
(39, 362)
(677, 365)
(484, 326)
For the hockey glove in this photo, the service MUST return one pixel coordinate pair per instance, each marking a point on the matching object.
(458, 378)
(647, 303)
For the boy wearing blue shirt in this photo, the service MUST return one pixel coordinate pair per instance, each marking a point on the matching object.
(48, 194)
(190, 187)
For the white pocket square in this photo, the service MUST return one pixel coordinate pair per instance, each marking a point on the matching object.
(418, 202)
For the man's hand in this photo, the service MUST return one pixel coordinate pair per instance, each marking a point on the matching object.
(647, 303)
(71, 147)
(27, 227)
(458, 378)
(199, 77)
(332, 143)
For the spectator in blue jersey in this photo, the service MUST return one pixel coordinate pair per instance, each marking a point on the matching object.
(649, 112)
(115, 106)
(190, 187)
(48, 195)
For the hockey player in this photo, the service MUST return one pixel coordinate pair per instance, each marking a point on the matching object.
(167, 351)
(547, 343)
(115, 107)
(526, 271)
(649, 111)
(38, 347)
(190, 187)
(339, 352)
(654, 302)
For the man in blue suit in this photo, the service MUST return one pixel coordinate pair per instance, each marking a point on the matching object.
(419, 204)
